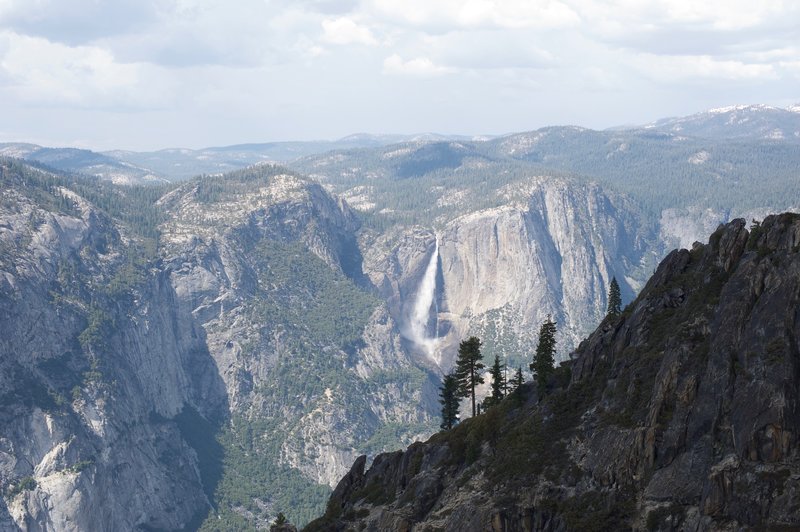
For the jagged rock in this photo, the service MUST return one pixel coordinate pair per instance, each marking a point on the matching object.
(682, 414)
(93, 442)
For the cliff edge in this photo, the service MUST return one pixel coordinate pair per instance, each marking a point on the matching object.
(680, 414)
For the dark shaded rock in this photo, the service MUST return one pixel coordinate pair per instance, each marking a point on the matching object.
(682, 414)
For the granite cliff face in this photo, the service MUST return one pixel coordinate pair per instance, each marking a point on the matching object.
(681, 414)
(551, 246)
(94, 368)
(125, 373)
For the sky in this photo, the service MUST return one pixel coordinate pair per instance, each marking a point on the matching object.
(151, 74)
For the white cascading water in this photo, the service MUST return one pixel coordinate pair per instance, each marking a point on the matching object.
(424, 304)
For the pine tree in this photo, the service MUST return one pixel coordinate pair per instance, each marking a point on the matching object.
(468, 369)
(498, 383)
(544, 359)
(614, 299)
(516, 381)
(448, 397)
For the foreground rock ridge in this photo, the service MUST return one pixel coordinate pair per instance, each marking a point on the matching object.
(681, 414)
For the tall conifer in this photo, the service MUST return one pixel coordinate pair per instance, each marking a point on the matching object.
(614, 299)
(498, 382)
(544, 359)
(468, 369)
(449, 399)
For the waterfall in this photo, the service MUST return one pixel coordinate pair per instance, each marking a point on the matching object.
(425, 303)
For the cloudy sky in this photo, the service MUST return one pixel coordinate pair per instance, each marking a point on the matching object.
(148, 74)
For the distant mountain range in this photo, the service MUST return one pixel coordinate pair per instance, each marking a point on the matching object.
(737, 122)
(117, 169)
(743, 123)
(178, 164)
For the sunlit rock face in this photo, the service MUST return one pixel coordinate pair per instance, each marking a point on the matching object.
(552, 248)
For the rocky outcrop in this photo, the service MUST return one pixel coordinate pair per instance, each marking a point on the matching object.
(682, 414)
(94, 367)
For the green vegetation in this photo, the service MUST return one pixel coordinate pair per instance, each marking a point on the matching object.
(499, 339)
(252, 482)
(448, 397)
(217, 188)
(614, 299)
(300, 288)
(375, 493)
(134, 207)
(312, 318)
(24, 484)
(516, 381)
(499, 385)
(544, 358)
(79, 466)
(468, 368)
(97, 328)
(459, 177)
(393, 436)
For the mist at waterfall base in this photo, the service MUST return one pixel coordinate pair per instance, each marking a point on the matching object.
(425, 311)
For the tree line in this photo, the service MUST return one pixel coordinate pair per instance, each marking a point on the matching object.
(467, 374)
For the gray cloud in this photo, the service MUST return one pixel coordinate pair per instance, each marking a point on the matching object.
(149, 73)
(77, 22)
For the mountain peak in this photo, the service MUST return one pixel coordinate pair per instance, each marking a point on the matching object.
(745, 107)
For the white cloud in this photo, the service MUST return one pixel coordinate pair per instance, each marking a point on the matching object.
(620, 16)
(344, 30)
(40, 72)
(673, 69)
(452, 14)
(292, 64)
(792, 67)
(421, 67)
(78, 21)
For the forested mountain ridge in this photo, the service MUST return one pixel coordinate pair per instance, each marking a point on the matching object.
(197, 353)
(127, 167)
(734, 143)
(248, 291)
(85, 162)
(682, 413)
(730, 175)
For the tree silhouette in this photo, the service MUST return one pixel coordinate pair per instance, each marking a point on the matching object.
(468, 369)
(498, 383)
(516, 380)
(448, 397)
(544, 359)
(614, 299)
